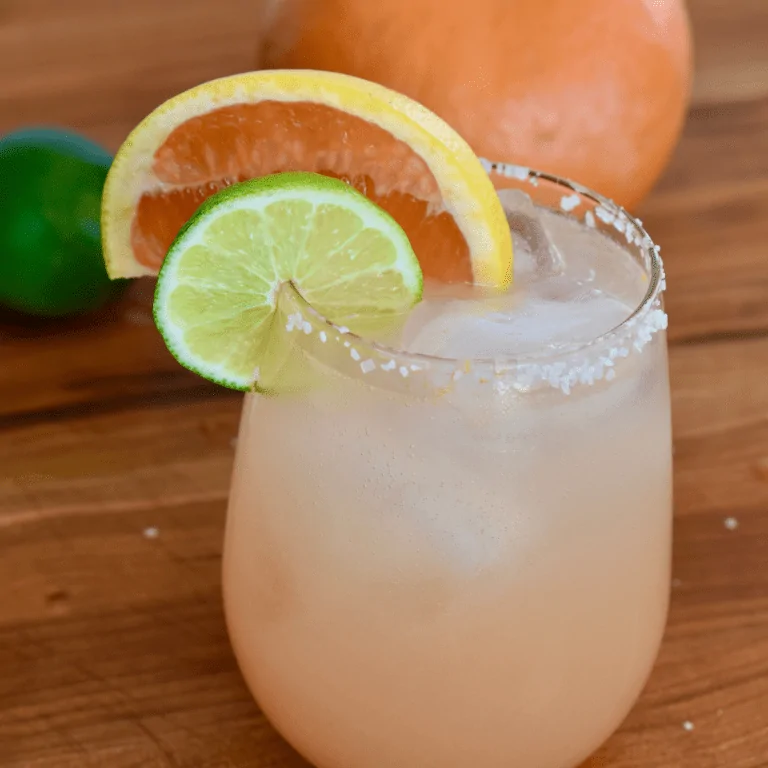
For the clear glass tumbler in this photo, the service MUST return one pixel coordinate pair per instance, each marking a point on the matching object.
(433, 563)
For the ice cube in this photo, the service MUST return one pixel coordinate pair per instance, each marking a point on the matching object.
(527, 226)
(481, 330)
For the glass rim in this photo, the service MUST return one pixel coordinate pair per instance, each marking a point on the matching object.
(642, 240)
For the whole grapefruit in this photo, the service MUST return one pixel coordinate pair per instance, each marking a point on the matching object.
(594, 90)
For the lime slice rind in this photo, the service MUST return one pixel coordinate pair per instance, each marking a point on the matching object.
(216, 302)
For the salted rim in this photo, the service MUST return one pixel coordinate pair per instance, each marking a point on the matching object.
(635, 330)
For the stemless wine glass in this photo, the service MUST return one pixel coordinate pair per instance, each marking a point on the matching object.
(432, 563)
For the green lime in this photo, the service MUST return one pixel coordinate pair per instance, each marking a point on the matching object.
(220, 284)
(50, 238)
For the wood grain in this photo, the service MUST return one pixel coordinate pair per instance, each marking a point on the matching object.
(99, 664)
(101, 67)
(112, 359)
(114, 463)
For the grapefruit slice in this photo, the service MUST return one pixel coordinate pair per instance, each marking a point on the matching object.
(397, 153)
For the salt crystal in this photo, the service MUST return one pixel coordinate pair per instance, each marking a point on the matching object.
(604, 214)
(516, 172)
(570, 202)
(505, 169)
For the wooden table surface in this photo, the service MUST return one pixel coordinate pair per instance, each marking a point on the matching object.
(114, 463)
